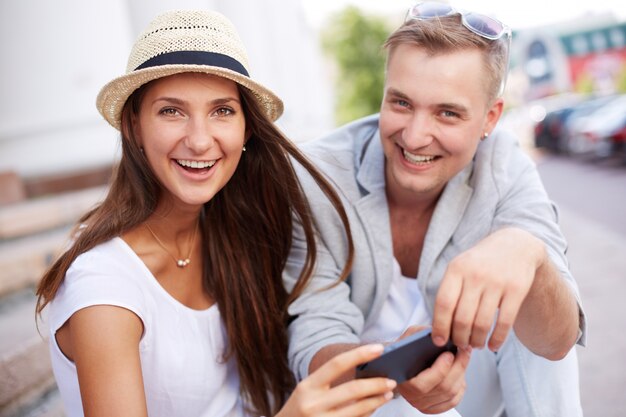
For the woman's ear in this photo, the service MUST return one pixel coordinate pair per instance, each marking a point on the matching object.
(247, 136)
(135, 132)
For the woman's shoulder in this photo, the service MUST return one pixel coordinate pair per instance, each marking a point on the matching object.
(111, 256)
(106, 274)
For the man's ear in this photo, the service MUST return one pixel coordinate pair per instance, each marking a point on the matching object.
(493, 115)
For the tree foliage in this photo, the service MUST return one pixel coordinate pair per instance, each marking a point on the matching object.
(355, 42)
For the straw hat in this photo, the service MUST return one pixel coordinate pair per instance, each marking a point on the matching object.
(184, 41)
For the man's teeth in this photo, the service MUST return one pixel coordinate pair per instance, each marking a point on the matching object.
(417, 158)
(195, 164)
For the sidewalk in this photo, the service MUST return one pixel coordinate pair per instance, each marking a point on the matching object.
(597, 258)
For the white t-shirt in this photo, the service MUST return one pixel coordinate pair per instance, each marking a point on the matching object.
(181, 348)
(404, 307)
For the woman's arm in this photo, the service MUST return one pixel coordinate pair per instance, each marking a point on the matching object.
(103, 342)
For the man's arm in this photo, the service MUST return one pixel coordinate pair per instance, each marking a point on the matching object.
(327, 353)
(552, 302)
(509, 274)
(519, 273)
(324, 314)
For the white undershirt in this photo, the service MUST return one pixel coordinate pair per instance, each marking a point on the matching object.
(404, 307)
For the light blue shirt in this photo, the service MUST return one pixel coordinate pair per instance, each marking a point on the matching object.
(500, 188)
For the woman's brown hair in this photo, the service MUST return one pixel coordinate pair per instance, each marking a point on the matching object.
(247, 232)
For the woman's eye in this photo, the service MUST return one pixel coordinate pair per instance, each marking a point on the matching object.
(169, 111)
(224, 111)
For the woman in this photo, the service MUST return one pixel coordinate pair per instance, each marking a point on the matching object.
(169, 301)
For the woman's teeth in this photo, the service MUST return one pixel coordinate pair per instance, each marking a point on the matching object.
(195, 164)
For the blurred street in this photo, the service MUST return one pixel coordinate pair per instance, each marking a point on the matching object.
(591, 196)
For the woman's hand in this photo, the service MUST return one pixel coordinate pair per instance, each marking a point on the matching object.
(315, 396)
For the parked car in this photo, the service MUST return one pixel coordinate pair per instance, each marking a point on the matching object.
(548, 128)
(618, 139)
(586, 122)
(548, 131)
(591, 134)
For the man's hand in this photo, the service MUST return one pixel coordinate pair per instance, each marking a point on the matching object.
(495, 274)
(439, 388)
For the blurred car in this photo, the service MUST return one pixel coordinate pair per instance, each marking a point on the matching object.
(548, 131)
(618, 139)
(551, 116)
(591, 133)
(586, 118)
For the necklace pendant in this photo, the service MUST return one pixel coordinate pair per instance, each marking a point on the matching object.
(181, 263)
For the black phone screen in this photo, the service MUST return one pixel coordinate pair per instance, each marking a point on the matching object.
(405, 358)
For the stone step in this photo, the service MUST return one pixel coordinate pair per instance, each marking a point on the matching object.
(44, 401)
(24, 260)
(41, 214)
(62, 182)
(12, 188)
(25, 369)
(32, 234)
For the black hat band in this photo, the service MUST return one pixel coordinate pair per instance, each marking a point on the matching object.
(212, 59)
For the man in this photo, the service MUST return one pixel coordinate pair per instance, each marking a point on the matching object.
(451, 222)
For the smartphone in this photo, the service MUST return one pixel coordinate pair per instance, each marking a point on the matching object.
(405, 358)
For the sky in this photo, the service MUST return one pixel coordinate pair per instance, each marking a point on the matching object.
(520, 14)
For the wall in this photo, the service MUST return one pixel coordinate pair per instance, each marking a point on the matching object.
(60, 53)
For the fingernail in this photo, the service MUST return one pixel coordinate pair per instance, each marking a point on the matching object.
(439, 341)
(391, 384)
(388, 395)
(375, 348)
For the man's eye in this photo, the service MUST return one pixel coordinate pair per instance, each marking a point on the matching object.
(448, 113)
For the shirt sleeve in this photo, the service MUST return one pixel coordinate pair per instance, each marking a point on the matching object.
(95, 279)
(325, 313)
(524, 203)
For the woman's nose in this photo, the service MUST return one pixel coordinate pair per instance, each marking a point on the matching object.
(199, 136)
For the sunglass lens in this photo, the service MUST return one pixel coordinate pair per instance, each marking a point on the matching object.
(430, 9)
(484, 25)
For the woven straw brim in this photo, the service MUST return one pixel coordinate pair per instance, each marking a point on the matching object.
(113, 96)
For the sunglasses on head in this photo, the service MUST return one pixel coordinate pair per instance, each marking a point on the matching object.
(480, 24)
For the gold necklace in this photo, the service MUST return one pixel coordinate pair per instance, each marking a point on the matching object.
(181, 263)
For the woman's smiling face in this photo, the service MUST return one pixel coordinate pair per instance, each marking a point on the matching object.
(191, 127)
